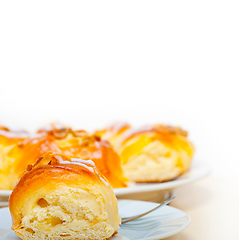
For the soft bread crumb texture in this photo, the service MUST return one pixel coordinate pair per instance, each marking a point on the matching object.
(156, 163)
(68, 213)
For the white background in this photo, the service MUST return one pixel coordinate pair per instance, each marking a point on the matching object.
(88, 64)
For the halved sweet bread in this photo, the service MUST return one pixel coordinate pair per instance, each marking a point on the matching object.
(63, 198)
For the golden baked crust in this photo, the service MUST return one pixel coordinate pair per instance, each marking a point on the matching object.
(63, 198)
(17, 150)
(81, 144)
(155, 153)
(114, 132)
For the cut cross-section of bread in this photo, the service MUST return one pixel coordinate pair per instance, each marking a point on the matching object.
(62, 198)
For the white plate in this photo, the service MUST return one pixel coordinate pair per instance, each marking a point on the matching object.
(5, 193)
(3, 203)
(161, 223)
(197, 171)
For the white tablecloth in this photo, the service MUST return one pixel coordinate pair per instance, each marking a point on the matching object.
(212, 204)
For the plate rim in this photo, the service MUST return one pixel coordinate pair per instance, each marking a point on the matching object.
(5, 193)
(162, 236)
(148, 187)
(165, 235)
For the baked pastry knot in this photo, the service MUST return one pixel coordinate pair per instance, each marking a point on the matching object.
(63, 198)
(155, 153)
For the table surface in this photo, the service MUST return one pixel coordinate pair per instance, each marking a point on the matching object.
(212, 204)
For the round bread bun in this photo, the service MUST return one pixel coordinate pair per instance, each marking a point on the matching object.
(63, 198)
(155, 153)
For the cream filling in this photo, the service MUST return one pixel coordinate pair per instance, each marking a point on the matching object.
(155, 162)
(68, 214)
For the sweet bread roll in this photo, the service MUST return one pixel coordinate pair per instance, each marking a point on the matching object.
(63, 198)
(81, 144)
(155, 153)
(17, 150)
(114, 132)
